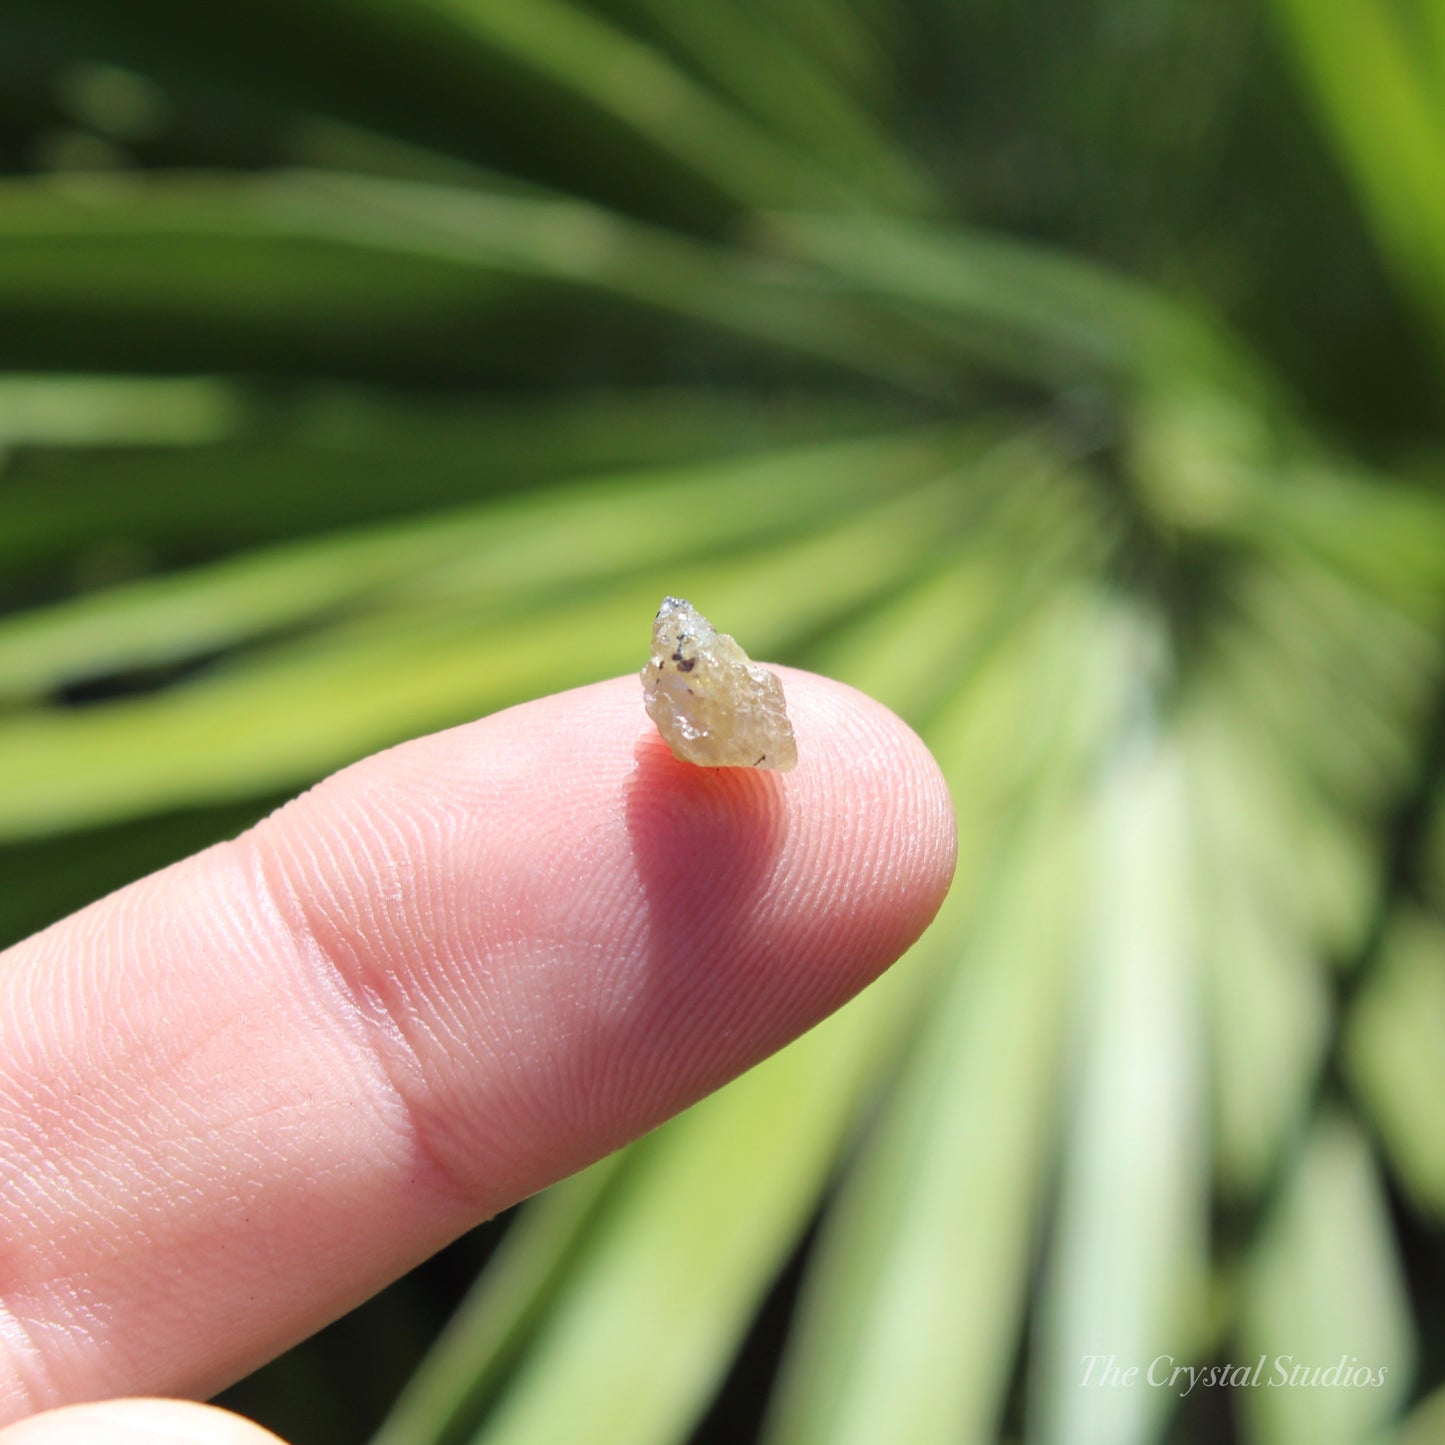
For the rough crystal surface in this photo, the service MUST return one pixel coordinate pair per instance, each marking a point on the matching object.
(712, 705)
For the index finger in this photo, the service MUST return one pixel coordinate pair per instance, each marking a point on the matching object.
(241, 1095)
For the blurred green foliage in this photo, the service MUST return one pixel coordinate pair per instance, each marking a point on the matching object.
(1067, 375)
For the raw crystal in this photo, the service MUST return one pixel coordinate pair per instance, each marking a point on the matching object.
(712, 705)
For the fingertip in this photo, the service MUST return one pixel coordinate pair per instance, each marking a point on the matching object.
(761, 901)
(137, 1422)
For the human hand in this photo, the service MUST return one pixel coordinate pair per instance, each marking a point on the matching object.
(241, 1095)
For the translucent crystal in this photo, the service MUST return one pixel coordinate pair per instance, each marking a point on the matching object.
(712, 705)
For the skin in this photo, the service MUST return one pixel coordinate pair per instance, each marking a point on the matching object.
(243, 1094)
